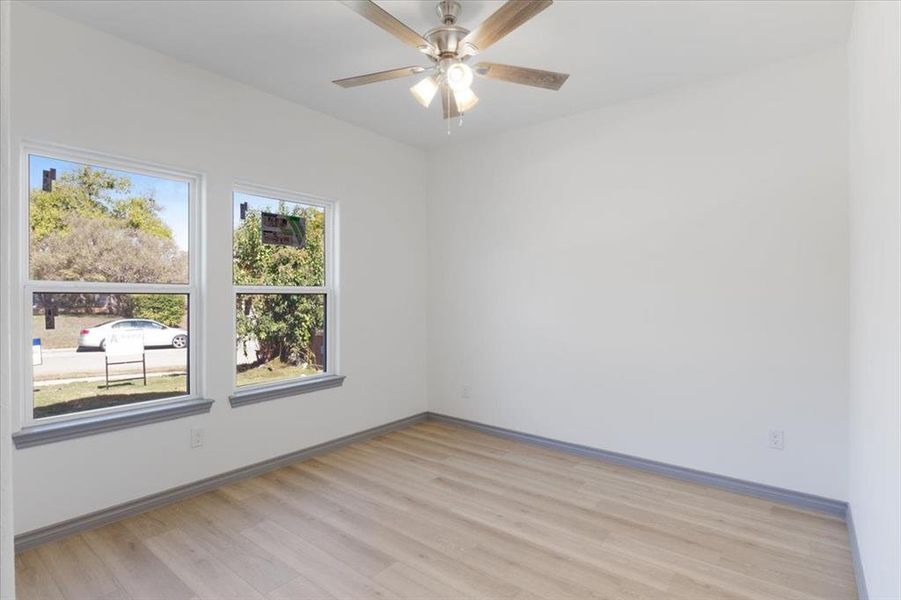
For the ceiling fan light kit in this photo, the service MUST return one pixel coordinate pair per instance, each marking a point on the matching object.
(457, 73)
(449, 47)
(425, 90)
(465, 99)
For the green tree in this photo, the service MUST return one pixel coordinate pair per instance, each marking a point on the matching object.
(256, 263)
(141, 214)
(92, 227)
(106, 249)
(48, 211)
(281, 326)
(92, 193)
(97, 184)
(168, 309)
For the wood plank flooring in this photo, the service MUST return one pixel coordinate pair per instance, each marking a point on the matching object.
(437, 511)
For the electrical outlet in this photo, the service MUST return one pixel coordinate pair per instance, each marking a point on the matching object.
(466, 391)
(196, 438)
(777, 439)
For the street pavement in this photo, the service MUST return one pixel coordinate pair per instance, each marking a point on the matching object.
(63, 363)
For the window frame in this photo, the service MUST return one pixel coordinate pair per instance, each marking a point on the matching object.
(28, 287)
(245, 394)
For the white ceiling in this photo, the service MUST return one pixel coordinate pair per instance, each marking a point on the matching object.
(614, 50)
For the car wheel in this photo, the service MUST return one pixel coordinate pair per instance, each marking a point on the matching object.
(180, 341)
(103, 345)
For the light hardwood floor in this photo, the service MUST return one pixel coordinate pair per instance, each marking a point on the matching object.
(435, 511)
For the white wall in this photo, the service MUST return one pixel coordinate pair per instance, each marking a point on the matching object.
(665, 278)
(79, 87)
(7, 568)
(875, 216)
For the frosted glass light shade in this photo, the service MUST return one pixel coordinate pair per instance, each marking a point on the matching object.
(465, 99)
(425, 90)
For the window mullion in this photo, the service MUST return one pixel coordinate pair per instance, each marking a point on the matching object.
(103, 287)
(274, 289)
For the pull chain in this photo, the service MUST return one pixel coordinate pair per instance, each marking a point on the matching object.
(448, 100)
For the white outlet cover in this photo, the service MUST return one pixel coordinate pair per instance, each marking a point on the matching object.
(196, 438)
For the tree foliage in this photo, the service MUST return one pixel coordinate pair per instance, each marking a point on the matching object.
(141, 214)
(168, 309)
(106, 249)
(281, 326)
(91, 227)
(256, 263)
(92, 193)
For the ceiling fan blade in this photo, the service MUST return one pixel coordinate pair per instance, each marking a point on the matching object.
(504, 20)
(448, 102)
(380, 76)
(381, 17)
(549, 80)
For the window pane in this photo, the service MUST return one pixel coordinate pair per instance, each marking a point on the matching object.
(75, 335)
(295, 258)
(280, 336)
(94, 224)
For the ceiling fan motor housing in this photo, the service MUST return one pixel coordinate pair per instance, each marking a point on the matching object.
(446, 39)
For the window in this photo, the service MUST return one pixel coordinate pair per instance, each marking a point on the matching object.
(110, 282)
(284, 287)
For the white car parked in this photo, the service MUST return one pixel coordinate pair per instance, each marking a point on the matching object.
(155, 333)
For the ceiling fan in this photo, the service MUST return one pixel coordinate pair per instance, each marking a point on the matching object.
(449, 47)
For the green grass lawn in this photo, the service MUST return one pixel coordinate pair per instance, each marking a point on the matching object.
(65, 334)
(51, 400)
(115, 372)
(274, 370)
(75, 397)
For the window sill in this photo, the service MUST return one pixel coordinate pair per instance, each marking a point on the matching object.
(293, 388)
(49, 433)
